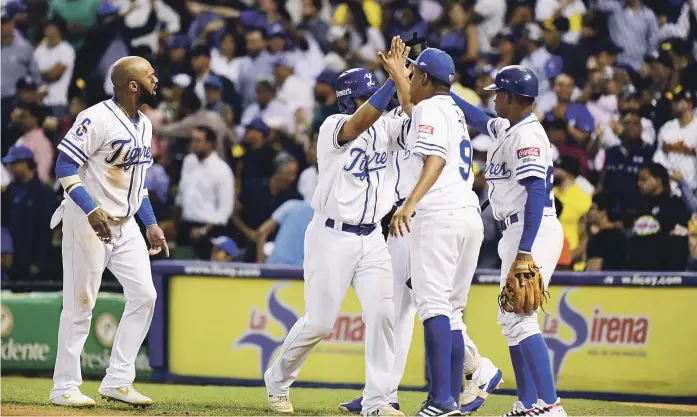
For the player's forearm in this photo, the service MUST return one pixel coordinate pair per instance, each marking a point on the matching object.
(367, 114)
(224, 11)
(66, 172)
(475, 117)
(146, 214)
(433, 166)
(403, 88)
(534, 207)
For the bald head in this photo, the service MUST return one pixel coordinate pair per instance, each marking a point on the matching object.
(127, 69)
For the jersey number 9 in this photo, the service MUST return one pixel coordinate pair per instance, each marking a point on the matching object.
(466, 156)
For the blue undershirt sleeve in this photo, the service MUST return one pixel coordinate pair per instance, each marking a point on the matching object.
(534, 206)
(475, 117)
(146, 214)
(67, 167)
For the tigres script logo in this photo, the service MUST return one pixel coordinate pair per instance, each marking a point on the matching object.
(363, 163)
(125, 157)
(497, 171)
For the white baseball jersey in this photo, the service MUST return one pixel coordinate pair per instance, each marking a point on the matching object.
(399, 157)
(113, 153)
(519, 151)
(356, 180)
(671, 133)
(438, 128)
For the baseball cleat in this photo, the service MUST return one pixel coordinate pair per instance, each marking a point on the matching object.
(431, 409)
(519, 410)
(387, 410)
(280, 404)
(541, 408)
(74, 399)
(473, 396)
(355, 407)
(127, 395)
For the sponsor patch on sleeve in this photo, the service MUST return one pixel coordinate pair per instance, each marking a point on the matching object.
(426, 129)
(525, 152)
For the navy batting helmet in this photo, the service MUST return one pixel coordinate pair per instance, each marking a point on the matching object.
(357, 82)
(515, 79)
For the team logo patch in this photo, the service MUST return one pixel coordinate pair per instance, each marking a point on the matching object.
(525, 152)
(426, 129)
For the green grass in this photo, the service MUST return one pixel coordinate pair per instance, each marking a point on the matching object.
(29, 396)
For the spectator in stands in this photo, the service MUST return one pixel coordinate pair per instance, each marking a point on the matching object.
(336, 59)
(619, 178)
(268, 107)
(659, 233)
(325, 98)
(684, 61)
(157, 183)
(573, 63)
(254, 65)
(17, 62)
(490, 15)
(169, 107)
(559, 138)
(200, 63)
(628, 101)
(309, 178)
(291, 220)
(564, 263)
(183, 128)
(259, 198)
(55, 59)
(176, 61)
(579, 122)
(224, 249)
(168, 20)
(225, 60)
(294, 92)
(205, 193)
(34, 138)
(213, 88)
(366, 40)
(535, 54)
(6, 251)
(31, 204)
(633, 27)
(313, 23)
(506, 54)
(576, 201)
(688, 195)
(569, 10)
(256, 163)
(406, 21)
(461, 38)
(677, 139)
(607, 244)
(79, 15)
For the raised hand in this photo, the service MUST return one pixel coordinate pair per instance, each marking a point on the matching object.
(394, 61)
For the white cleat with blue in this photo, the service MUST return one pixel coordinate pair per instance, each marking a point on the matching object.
(476, 391)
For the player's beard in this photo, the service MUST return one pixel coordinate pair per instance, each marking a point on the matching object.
(146, 97)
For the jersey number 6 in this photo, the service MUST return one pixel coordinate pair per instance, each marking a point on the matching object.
(466, 156)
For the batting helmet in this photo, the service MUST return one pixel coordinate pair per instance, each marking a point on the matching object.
(515, 79)
(357, 82)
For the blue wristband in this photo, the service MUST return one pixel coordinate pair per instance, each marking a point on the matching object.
(80, 196)
(381, 98)
(146, 214)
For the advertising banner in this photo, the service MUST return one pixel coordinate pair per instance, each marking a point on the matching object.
(234, 328)
(30, 333)
(624, 340)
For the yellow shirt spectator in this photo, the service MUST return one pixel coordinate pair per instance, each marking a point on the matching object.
(372, 10)
(576, 204)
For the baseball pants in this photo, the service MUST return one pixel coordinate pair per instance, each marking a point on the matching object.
(545, 251)
(335, 260)
(85, 257)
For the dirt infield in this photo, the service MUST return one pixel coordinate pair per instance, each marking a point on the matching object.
(678, 407)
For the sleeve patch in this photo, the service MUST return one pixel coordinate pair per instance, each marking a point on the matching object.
(425, 129)
(531, 151)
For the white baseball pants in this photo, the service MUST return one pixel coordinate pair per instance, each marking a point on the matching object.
(85, 257)
(335, 260)
(545, 251)
(445, 247)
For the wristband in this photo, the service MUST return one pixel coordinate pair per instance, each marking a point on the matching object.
(381, 98)
(80, 196)
(146, 214)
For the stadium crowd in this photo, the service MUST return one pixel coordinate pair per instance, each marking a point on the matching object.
(244, 86)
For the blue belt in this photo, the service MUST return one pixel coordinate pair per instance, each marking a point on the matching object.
(511, 220)
(360, 230)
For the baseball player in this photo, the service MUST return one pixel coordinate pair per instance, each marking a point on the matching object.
(519, 174)
(482, 376)
(343, 244)
(447, 231)
(102, 165)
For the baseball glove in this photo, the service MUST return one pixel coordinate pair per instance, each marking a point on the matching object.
(524, 290)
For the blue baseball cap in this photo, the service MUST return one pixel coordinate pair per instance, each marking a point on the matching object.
(226, 244)
(213, 81)
(106, 9)
(179, 40)
(18, 153)
(436, 64)
(258, 124)
(13, 8)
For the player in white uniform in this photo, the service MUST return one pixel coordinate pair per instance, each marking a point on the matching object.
(447, 232)
(102, 165)
(519, 173)
(344, 245)
(482, 376)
